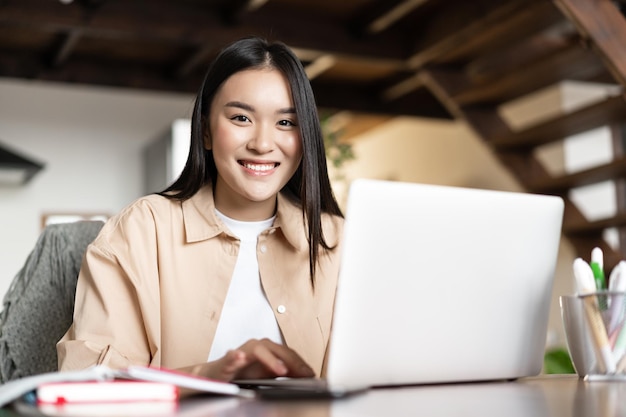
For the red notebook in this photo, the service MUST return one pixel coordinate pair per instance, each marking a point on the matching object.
(78, 384)
(119, 391)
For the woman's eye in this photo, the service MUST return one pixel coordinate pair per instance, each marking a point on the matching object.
(240, 118)
(286, 123)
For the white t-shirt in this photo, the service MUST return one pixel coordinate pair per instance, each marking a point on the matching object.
(247, 314)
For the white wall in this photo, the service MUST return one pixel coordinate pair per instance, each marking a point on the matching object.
(91, 141)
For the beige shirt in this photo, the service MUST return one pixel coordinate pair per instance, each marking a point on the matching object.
(153, 283)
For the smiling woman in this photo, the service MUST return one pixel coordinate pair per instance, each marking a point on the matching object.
(231, 271)
(255, 141)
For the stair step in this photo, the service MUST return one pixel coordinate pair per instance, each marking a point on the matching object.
(606, 112)
(571, 63)
(614, 170)
(592, 227)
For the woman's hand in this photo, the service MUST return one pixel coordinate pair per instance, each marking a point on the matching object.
(255, 359)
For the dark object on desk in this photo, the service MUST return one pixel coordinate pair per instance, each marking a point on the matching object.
(297, 388)
(38, 307)
(276, 393)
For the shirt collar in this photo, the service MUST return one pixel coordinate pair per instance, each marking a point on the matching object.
(201, 222)
(199, 216)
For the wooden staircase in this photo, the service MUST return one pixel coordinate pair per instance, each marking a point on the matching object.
(380, 57)
(519, 48)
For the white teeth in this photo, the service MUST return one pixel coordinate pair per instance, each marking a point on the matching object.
(261, 167)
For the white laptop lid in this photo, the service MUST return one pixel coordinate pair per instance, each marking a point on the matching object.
(442, 284)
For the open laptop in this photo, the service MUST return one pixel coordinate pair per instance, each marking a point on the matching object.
(440, 284)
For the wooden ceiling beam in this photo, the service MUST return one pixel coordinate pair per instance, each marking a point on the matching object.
(356, 98)
(343, 96)
(68, 44)
(233, 10)
(201, 55)
(573, 63)
(380, 15)
(601, 22)
(492, 65)
(180, 22)
(393, 15)
(94, 72)
(319, 65)
(403, 87)
(322, 33)
(538, 17)
(452, 33)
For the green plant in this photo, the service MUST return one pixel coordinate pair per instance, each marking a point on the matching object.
(337, 152)
(557, 361)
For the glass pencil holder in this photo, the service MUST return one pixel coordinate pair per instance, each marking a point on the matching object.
(595, 330)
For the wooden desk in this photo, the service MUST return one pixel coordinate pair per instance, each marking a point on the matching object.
(531, 397)
(546, 396)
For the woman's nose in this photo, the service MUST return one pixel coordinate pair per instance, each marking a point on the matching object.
(262, 140)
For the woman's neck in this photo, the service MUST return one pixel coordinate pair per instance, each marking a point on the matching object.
(245, 210)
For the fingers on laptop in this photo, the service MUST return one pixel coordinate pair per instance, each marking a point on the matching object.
(265, 358)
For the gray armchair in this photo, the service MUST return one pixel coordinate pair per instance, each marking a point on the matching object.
(38, 307)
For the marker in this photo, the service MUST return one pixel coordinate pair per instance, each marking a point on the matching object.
(597, 266)
(617, 284)
(586, 288)
(620, 345)
(617, 278)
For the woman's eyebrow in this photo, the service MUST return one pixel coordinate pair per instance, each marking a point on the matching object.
(247, 107)
(287, 110)
(244, 106)
(240, 105)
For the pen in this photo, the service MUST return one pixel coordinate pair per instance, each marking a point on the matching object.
(597, 266)
(620, 346)
(617, 284)
(586, 287)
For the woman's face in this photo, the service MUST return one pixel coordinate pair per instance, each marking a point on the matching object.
(255, 140)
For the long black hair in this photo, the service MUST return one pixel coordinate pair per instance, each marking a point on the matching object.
(309, 186)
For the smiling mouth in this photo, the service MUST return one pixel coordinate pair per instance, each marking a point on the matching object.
(258, 167)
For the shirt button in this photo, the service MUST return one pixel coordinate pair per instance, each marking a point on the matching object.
(281, 309)
(263, 248)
